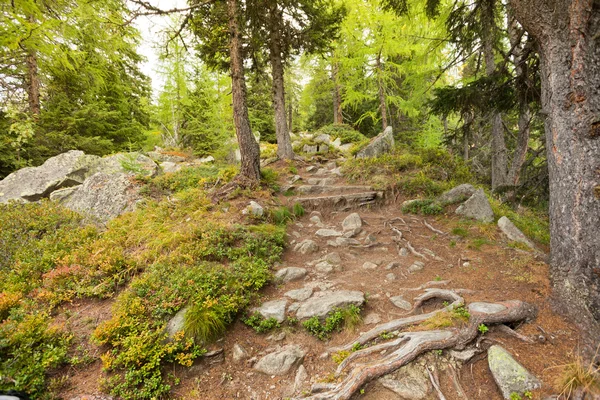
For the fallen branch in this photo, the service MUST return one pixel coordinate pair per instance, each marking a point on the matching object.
(416, 343)
(511, 332)
(429, 284)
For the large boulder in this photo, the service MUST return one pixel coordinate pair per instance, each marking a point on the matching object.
(328, 301)
(281, 361)
(514, 233)
(129, 163)
(477, 207)
(103, 196)
(457, 194)
(352, 225)
(381, 144)
(35, 183)
(510, 376)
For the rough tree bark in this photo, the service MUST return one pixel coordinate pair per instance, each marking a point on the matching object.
(568, 35)
(249, 150)
(337, 95)
(381, 91)
(32, 80)
(284, 143)
(499, 151)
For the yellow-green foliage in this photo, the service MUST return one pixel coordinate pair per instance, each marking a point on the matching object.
(344, 132)
(268, 150)
(189, 177)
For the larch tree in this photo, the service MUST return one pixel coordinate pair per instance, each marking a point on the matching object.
(286, 28)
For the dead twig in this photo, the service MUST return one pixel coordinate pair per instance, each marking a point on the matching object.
(412, 250)
(432, 228)
(435, 382)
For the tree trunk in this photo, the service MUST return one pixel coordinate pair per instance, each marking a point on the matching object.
(337, 96)
(568, 36)
(499, 152)
(284, 143)
(32, 78)
(382, 105)
(249, 150)
(290, 114)
(523, 85)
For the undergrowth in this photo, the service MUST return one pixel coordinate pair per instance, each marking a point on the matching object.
(348, 317)
(426, 207)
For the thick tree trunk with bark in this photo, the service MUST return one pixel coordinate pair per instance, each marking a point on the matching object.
(284, 143)
(568, 34)
(381, 90)
(337, 95)
(249, 150)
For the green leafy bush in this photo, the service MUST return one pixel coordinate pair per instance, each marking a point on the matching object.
(426, 207)
(344, 132)
(260, 324)
(349, 317)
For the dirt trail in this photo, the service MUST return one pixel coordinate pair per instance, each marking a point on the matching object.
(490, 271)
(479, 261)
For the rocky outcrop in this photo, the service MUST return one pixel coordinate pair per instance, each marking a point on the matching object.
(35, 183)
(477, 207)
(510, 376)
(381, 144)
(102, 196)
(273, 309)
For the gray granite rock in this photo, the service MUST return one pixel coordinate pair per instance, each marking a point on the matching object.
(477, 207)
(381, 144)
(273, 309)
(399, 302)
(307, 246)
(290, 274)
(328, 301)
(282, 361)
(457, 194)
(299, 294)
(513, 233)
(352, 225)
(509, 374)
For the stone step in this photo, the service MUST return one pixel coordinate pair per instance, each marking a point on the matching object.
(340, 201)
(318, 189)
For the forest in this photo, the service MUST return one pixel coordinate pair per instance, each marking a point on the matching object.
(500, 94)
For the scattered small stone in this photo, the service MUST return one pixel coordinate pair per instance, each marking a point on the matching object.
(416, 267)
(392, 265)
(328, 233)
(466, 264)
(300, 379)
(296, 234)
(324, 267)
(464, 355)
(316, 220)
(277, 337)
(307, 246)
(399, 302)
(238, 353)
(369, 265)
(403, 252)
(322, 171)
(254, 209)
(333, 258)
(299, 294)
(371, 239)
(352, 225)
(510, 376)
(295, 179)
(290, 274)
(372, 319)
(390, 277)
(281, 361)
(312, 168)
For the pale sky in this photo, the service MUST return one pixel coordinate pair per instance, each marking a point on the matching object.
(150, 28)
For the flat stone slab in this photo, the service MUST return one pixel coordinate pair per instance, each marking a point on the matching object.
(510, 376)
(307, 246)
(399, 302)
(281, 361)
(273, 309)
(328, 301)
(290, 274)
(299, 294)
(328, 233)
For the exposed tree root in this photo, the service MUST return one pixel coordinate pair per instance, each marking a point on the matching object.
(456, 381)
(410, 345)
(435, 381)
(507, 330)
(238, 181)
(429, 284)
(432, 228)
(412, 250)
(400, 323)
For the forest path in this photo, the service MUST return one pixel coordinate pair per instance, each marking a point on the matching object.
(379, 265)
